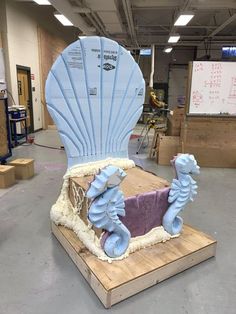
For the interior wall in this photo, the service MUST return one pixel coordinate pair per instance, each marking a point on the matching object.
(50, 46)
(163, 61)
(4, 42)
(34, 43)
(215, 52)
(23, 50)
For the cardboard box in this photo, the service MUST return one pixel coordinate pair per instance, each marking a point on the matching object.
(174, 121)
(7, 176)
(169, 146)
(24, 168)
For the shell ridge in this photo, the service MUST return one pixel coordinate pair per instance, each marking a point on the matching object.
(112, 99)
(68, 104)
(51, 108)
(88, 97)
(125, 93)
(126, 118)
(64, 135)
(119, 139)
(78, 103)
(101, 94)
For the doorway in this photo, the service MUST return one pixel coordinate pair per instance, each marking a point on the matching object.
(25, 94)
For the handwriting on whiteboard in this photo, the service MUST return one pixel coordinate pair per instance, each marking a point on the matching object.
(213, 87)
(232, 92)
(197, 98)
(215, 77)
(198, 67)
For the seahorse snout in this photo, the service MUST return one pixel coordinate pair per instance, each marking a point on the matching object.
(196, 170)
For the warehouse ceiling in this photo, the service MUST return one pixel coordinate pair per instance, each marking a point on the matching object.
(140, 23)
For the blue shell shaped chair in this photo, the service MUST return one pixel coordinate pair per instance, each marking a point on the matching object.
(94, 93)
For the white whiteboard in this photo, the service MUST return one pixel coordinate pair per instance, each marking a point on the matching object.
(213, 88)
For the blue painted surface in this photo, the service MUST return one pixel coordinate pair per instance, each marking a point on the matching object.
(108, 177)
(107, 204)
(183, 190)
(95, 93)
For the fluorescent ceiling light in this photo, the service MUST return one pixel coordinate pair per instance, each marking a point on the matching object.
(42, 2)
(174, 38)
(168, 49)
(184, 18)
(64, 20)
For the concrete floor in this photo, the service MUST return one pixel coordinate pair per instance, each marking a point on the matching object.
(38, 277)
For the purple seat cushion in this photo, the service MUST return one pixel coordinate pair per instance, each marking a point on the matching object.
(144, 212)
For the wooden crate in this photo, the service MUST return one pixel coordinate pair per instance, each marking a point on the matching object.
(24, 168)
(155, 142)
(119, 280)
(169, 146)
(211, 140)
(7, 176)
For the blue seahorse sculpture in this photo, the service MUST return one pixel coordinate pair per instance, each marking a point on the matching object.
(107, 204)
(183, 190)
(108, 177)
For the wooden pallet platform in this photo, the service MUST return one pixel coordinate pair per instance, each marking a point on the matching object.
(119, 280)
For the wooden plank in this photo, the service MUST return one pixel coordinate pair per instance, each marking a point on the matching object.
(211, 132)
(76, 250)
(211, 140)
(155, 142)
(117, 281)
(160, 274)
(223, 157)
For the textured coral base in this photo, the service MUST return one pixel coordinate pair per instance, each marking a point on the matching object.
(115, 282)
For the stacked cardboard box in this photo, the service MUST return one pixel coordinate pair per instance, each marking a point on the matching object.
(174, 121)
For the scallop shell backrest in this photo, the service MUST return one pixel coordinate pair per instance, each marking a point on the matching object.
(94, 93)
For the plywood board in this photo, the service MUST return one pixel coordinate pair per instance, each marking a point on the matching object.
(115, 282)
(211, 140)
(136, 182)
